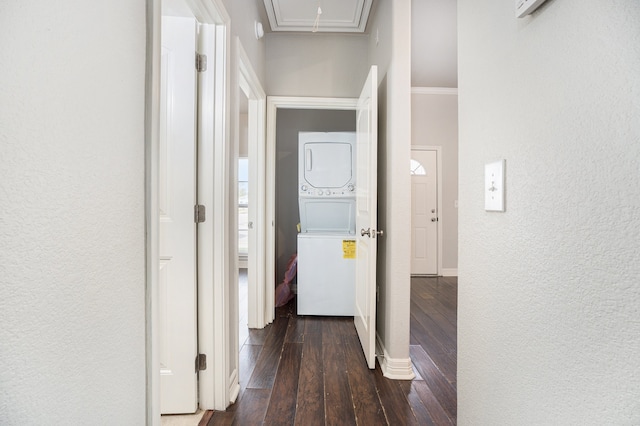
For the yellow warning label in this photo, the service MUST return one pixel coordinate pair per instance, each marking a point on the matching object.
(348, 249)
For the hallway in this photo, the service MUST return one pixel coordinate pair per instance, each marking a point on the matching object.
(311, 371)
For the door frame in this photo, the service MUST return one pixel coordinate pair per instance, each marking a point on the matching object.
(213, 393)
(247, 81)
(250, 84)
(273, 104)
(438, 151)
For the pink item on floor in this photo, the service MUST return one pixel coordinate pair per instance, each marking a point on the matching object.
(283, 290)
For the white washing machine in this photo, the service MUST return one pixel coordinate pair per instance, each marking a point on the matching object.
(326, 274)
(326, 244)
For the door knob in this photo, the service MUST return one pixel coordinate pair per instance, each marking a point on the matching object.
(367, 232)
(379, 233)
(434, 219)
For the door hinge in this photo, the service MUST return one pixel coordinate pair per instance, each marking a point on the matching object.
(199, 213)
(201, 62)
(201, 362)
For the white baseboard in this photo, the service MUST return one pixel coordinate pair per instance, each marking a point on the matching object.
(449, 272)
(393, 368)
(234, 388)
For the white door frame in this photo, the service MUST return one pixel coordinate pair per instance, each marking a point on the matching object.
(250, 84)
(214, 273)
(438, 150)
(273, 104)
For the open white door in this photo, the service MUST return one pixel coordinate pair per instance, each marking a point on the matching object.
(177, 197)
(366, 215)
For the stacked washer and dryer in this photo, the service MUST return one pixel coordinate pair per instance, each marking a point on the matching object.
(326, 242)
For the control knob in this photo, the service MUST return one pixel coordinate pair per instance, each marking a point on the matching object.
(350, 187)
(304, 187)
(319, 191)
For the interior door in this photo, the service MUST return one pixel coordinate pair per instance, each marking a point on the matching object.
(424, 213)
(177, 313)
(366, 215)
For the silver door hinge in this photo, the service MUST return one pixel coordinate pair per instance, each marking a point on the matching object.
(201, 362)
(199, 213)
(201, 62)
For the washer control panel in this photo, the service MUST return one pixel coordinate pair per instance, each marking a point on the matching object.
(310, 191)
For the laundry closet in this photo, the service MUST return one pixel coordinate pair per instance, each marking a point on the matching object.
(315, 206)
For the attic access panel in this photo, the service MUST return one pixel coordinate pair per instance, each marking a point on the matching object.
(342, 16)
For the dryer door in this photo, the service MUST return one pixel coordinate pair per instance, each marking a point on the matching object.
(328, 164)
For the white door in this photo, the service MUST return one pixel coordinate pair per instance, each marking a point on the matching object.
(178, 338)
(366, 215)
(424, 213)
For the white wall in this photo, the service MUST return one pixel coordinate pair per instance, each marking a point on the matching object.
(434, 122)
(243, 15)
(323, 65)
(392, 54)
(72, 232)
(433, 43)
(548, 291)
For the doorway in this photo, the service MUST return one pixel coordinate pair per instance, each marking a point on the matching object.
(366, 108)
(276, 105)
(289, 123)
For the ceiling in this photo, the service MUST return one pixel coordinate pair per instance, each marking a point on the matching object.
(342, 16)
(433, 30)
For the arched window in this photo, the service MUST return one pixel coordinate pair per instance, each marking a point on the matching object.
(417, 168)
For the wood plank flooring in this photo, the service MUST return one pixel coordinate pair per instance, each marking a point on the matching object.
(306, 370)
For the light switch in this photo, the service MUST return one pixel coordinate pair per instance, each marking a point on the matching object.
(494, 179)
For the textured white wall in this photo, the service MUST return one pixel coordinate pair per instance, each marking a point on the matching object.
(434, 122)
(549, 297)
(243, 15)
(72, 266)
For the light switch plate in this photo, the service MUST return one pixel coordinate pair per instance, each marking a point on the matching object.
(494, 179)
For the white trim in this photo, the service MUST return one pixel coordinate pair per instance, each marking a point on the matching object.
(152, 243)
(213, 235)
(280, 22)
(250, 84)
(393, 368)
(273, 104)
(434, 91)
(450, 272)
(221, 186)
(438, 150)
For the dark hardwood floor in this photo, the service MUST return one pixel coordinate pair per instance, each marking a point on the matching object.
(311, 370)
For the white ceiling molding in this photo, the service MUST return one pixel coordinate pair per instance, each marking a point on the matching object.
(342, 16)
